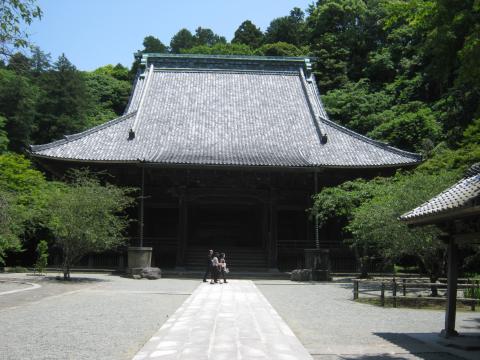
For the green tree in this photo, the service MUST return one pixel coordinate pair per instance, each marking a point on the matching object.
(118, 72)
(3, 135)
(13, 15)
(248, 34)
(108, 96)
(281, 49)
(20, 64)
(40, 61)
(153, 45)
(205, 36)
(344, 34)
(408, 126)
(182, 40)
(86, 216)
(220, 49)
(63, 107)
(356, 105)
(22, 200)
(9, 239)
(288, 29)
(42, 256)
(375, 225)
(18, 101)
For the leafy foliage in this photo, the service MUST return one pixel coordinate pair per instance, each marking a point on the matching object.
(63, 108)
(153, 45)
(248, 34)
(13, 14)
(281, 49)
(86, 216)
(287, 29)
(42, 256)
(22, 199)
(220, 49)
(182, 40)
(18, 98)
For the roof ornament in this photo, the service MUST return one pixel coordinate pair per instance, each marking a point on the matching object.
(143, 63)
(308, 70)
(131, 133)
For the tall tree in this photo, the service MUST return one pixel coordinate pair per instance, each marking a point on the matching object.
(289, 29)
(86, 216)
(205, 36)
(18, 100)
(40, 61)
(20, 64)
(181, 40)
(248, 34)
(63, 108)
(153, 45)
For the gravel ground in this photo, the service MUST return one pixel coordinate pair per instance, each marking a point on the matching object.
(331, 326)
(99, 317)
(12, 286)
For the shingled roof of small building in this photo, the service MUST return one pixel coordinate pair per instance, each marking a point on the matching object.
(225, 110)
(463, 198)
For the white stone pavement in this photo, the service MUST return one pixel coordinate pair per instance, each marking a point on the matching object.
(224, 321)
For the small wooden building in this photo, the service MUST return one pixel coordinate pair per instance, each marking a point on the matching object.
(457, 212)
(228, 151)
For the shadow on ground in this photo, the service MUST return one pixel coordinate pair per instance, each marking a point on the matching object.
(74, 280)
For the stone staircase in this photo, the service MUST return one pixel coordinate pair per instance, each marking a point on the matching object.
(238, 259)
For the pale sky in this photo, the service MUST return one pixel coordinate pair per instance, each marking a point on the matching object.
(93, 33)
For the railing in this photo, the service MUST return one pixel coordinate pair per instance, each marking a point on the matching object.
(412, 288)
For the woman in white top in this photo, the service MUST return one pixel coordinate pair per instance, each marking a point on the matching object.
(214, 279)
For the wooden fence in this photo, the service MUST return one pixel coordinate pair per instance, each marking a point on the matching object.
(397, 289)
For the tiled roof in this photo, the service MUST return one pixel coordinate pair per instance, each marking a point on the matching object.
(463, 195)
(216, 111)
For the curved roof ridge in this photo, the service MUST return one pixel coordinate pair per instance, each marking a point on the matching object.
(457, 196)
(232, 57)
(72, 137)
(132, 92)
(354, 133)
(225, 71)
(372, 141)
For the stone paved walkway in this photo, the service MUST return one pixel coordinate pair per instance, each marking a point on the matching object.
(225, 321)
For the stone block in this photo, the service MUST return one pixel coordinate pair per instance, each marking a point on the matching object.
(150, 273)
(139, 257)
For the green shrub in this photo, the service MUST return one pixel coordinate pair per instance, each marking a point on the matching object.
(42, 258)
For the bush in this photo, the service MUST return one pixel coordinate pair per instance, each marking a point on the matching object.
(42, 259)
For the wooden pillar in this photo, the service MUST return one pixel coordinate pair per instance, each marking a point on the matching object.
(272, 248)
(315, 189)
(182, 228)
(141, 223)
(451, 290)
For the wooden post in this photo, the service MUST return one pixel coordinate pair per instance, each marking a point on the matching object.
(382, 294)
(142, 204)
(394, 292)
(182, 228)
(272, 248)
(404, 281)
(317, 235)
(474, 302)
(449, 330)
(355, 289)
